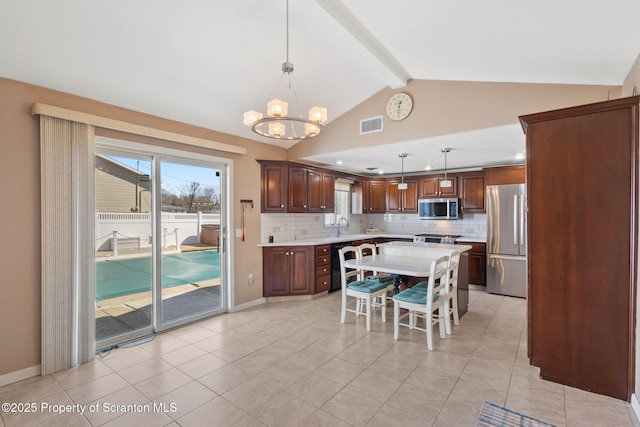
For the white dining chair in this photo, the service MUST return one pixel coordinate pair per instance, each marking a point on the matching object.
(370, 249)
(448, 292)
(451, 292)
(368, 291)
(418, 302)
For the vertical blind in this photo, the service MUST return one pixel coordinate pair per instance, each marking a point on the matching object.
(67, 210)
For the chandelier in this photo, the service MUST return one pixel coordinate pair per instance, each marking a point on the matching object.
(284, 119)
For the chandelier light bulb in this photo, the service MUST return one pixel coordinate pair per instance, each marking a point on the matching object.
(311, 129)
(277, 108)
(251, 116)
(318, 114)
(277, 129)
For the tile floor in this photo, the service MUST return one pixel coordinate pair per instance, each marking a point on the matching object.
(294, 364)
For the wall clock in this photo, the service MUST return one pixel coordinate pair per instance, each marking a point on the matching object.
(399, 106)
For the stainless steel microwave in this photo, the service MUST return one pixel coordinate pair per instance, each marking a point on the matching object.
(439, 208)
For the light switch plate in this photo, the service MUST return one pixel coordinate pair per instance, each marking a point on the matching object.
(238, 232)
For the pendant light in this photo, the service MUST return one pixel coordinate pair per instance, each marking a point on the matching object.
(445, 182)
(402, 185)
(283, 119)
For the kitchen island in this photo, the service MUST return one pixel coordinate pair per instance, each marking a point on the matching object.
(412, 250)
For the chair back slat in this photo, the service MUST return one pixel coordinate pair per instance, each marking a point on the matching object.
(367, 249)
(347, 275)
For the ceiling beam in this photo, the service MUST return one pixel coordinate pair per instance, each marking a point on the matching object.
(346, 19)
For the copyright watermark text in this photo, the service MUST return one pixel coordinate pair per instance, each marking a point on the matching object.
(18, 407)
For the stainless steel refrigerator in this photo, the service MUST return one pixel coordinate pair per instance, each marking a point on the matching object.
(506, 240)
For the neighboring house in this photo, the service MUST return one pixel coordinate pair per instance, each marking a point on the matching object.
(120, 188)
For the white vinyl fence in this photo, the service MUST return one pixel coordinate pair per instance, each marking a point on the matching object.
(133, 230)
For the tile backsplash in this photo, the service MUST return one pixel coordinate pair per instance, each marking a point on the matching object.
(287, 227)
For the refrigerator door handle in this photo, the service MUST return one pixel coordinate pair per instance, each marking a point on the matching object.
(515, 219)
(508, 257)
(522, 213)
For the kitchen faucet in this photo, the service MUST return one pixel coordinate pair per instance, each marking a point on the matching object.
(338, 223)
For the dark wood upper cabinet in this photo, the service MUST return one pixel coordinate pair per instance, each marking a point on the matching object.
(289, 187)
(321, 189)
(430, 187)
(402, 201)
(582, 178)
(297, 189)
(472, 189)
(359, 196)
(377, 196)
(505, 175)
(274, 181)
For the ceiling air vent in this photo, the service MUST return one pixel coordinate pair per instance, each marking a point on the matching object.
(374, 124)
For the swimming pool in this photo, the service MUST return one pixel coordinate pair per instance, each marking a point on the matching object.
(115, 278)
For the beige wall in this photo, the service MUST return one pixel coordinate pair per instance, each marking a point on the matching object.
(446, 107)
(20, 185)
(632, 81)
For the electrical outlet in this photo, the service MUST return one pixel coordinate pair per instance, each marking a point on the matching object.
(251, 278)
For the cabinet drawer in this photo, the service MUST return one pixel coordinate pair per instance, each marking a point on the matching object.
(323, 270)
(475, 247)
(323, 260)
(323, 283)
(323, 250)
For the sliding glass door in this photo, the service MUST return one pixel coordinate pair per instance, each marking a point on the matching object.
(159, 253)
(190, 241)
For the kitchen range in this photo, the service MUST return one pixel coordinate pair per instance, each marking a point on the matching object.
(448, 239)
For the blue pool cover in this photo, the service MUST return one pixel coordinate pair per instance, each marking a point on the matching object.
(115, 278)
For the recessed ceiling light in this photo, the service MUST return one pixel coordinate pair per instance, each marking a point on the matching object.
(519, 156)
(427, 168)
(339, 162)
(380, 171)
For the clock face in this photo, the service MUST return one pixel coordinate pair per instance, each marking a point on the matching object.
(399, 106)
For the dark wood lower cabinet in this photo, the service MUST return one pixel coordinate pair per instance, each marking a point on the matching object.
(477, 263)
(582, 179)
(296, 270)
(287, 270)
(323, 268)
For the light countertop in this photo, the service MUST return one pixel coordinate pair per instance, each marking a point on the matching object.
(334, 239)
(353, 237)
(407, 248)
(472, 239)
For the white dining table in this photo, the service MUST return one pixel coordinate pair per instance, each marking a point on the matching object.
(404, 259)
(394, 264)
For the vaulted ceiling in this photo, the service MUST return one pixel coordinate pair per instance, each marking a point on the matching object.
(206, 62)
